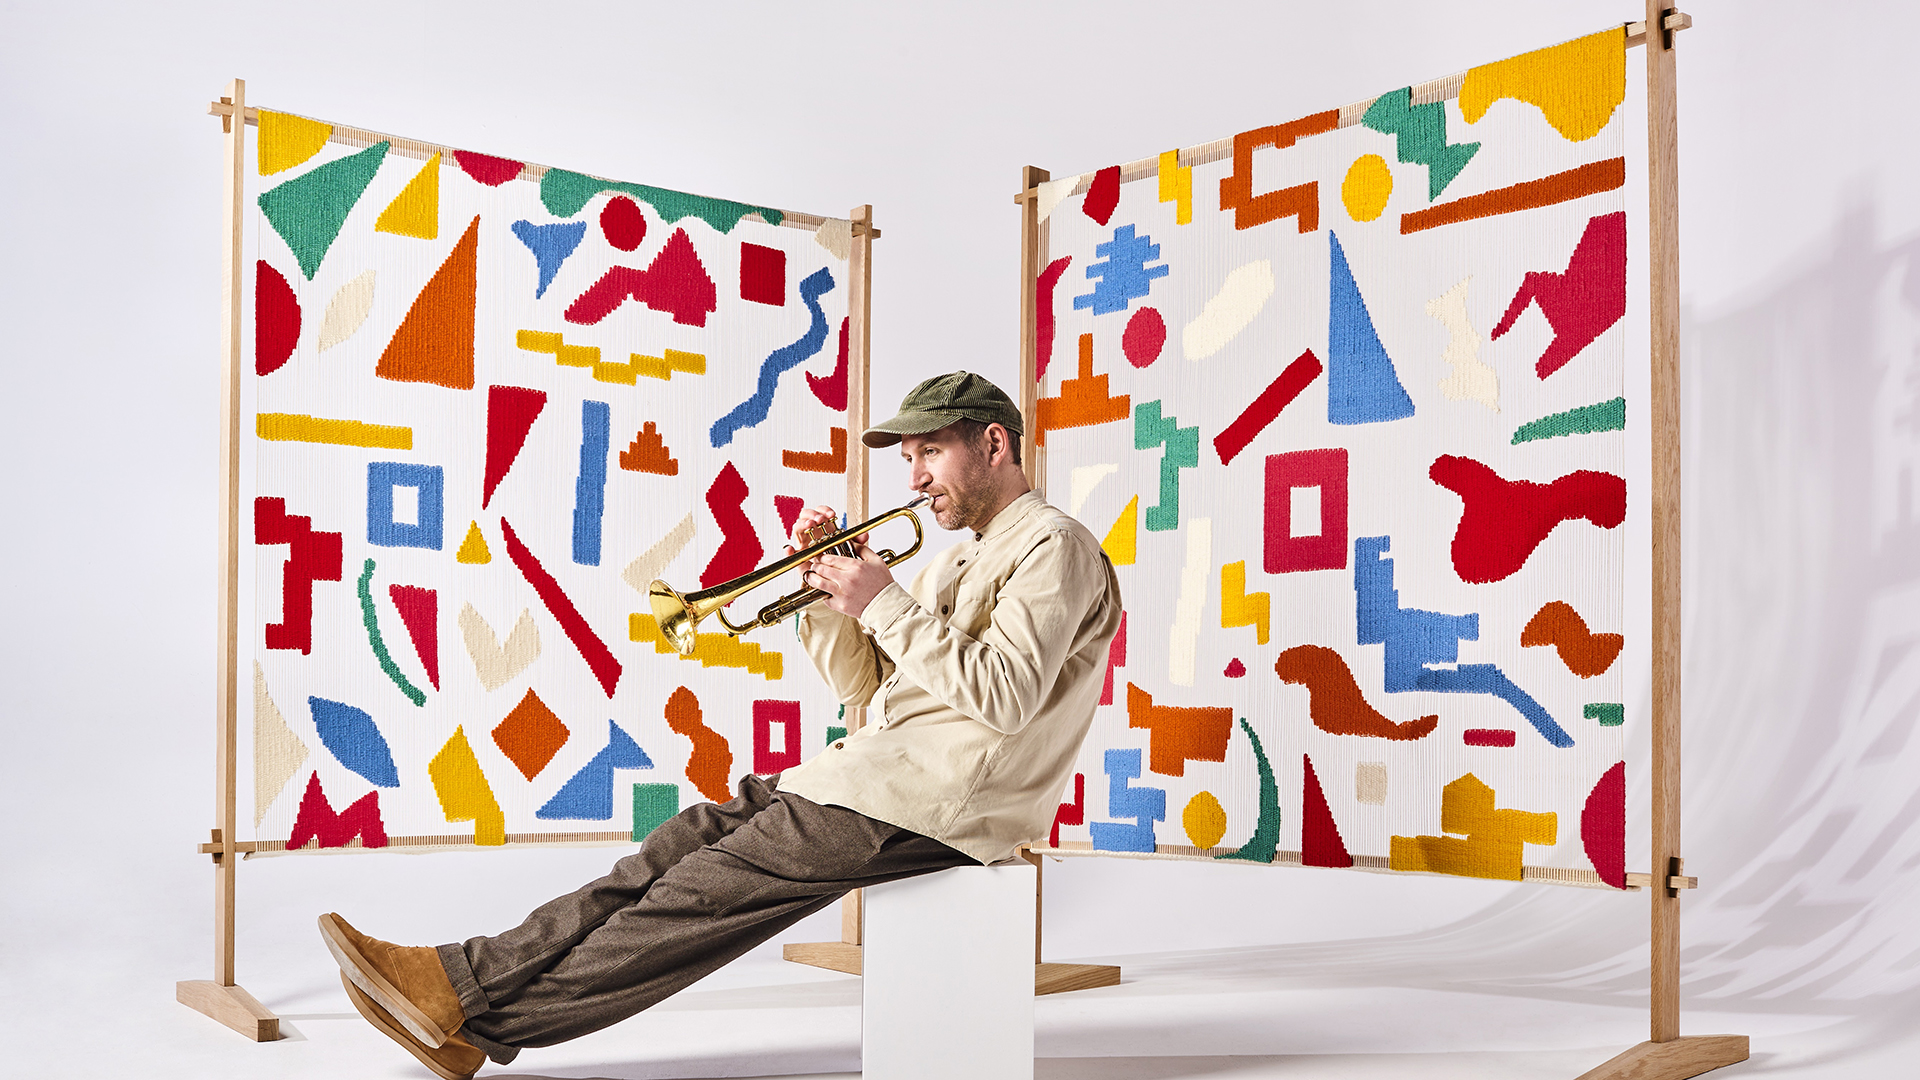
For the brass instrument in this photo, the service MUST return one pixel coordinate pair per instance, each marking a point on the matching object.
(679, 614)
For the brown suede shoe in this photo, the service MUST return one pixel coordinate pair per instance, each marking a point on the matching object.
(407, 981)
(455, 1059)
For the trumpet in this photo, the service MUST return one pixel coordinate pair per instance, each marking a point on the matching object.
(679, 615)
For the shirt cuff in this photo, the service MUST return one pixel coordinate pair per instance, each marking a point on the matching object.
(886, 607)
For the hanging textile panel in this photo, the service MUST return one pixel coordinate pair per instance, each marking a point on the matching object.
(1345, 397)
(488, 403)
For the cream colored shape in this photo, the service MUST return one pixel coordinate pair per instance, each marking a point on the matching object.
(1370, 783)
(1183, 639)
(641, 571)
(1050, 193)
(1240, 298)
(493, 662)
(1472, 378)
(346, 311)
(277, 752)
(836, 236)
(1085, 479)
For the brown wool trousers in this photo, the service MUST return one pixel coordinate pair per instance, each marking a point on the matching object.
(708, 885)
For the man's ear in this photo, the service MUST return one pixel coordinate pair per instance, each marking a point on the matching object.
(999, 442)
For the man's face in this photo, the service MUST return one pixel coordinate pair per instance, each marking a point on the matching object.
(943, 465)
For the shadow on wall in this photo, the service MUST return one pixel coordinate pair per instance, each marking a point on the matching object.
(1802, 683)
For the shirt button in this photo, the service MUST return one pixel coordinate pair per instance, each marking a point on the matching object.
(839, 746)
(943, 609)
(963, 562)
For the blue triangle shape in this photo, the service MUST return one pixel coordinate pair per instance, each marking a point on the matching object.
(1362, 387)
(550, 244)
(588, 796)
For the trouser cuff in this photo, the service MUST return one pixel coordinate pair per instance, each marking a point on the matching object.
(473, 1001)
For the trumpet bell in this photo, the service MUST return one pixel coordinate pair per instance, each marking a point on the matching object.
(675, 616)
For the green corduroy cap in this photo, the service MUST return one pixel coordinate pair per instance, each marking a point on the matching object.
(943, 399)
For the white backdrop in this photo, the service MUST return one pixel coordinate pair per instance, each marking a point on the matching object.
(1801, 276)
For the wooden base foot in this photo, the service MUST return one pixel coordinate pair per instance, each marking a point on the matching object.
(231, 1006)
(1676, 1060)
(1047, 978)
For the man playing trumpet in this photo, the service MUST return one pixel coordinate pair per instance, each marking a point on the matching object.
(981, 680)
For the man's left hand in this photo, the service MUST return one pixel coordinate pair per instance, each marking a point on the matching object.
(850, 584)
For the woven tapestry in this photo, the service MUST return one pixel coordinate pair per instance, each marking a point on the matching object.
(487, 402)
(1344, 396)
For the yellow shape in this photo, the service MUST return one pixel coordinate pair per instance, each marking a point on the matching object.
(1494, 838)
(712, 650)
(287, 140)
(1577, 85)
(1366, 187)
(298, 427)
(473, 550)
(1176, 186)
(663, 367)
(464, 792)
(626, 374)
(580, 356)
(538, 341)
(1205, 819)
(1121, 544)
(1237, 607)
(416, 210)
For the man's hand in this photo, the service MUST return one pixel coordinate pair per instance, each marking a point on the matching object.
(850, 584)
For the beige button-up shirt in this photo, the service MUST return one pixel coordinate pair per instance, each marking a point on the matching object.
(982, 681)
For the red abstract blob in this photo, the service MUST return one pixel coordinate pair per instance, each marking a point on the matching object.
(740, 551)
(1235, 669)
(1116, 657)
(317, 821)
(420, 610)
(594, 651)
(1504, 520)
(1070, 813)
(312, 556)
(491, 171)
(623, 223)
(1320, 843)
(677, 283)
(1104, 195)
(1145, 335)
(511, 411)
(788, 507)
(276, 319)
(1603, 826)
(763, 274)
(1334, 698)
(604, 297)
(1043, 287)
(1583, 302)
(832, 390)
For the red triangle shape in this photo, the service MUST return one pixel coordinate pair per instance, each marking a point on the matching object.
(435, 341)
(511, 411)
(420, 610)
(1320, 843)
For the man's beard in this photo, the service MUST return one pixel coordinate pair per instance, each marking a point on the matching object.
(964, 505)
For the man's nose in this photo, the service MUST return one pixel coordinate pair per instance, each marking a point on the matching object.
(917, 477)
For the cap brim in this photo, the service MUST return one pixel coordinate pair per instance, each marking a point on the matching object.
(888, 432)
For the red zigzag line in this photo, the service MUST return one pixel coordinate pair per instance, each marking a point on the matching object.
(740, 551)
(592, 649)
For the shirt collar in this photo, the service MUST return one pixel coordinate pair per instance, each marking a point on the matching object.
(1009, 516)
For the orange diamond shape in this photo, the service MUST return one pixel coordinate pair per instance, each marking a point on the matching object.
(530, 735)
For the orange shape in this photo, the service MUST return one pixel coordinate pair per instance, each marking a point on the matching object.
(648, 453)
(711, 764)
(1334, 698)
(1179, 734)
(435, 341)
(1302, 200)
(530, 735)
(1082, 401)
(1585, 653)
(832, 460)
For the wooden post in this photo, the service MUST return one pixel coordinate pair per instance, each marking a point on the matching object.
(859, 415)
(1666, 1055)
(1032, 254)
(221, 998)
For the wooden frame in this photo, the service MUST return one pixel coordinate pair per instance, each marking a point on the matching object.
(221, 997)
(1666, 1055)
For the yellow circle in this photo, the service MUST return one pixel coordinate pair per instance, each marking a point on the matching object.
(1366, 187)
(1205, 819)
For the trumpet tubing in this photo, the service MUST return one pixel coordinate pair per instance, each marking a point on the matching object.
(679, 614)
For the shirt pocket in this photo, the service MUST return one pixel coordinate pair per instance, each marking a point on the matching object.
(973, 608)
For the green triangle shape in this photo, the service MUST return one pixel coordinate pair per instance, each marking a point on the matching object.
(308, 210)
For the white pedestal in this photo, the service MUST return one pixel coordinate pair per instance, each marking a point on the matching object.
(947, 985)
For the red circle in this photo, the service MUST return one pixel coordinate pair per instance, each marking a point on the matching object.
(1145, 335)
(623, 223)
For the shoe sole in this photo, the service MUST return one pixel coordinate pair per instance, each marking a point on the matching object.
(354, 966)
(371, 1011)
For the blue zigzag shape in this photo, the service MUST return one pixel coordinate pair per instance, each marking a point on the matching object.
(782, 360)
